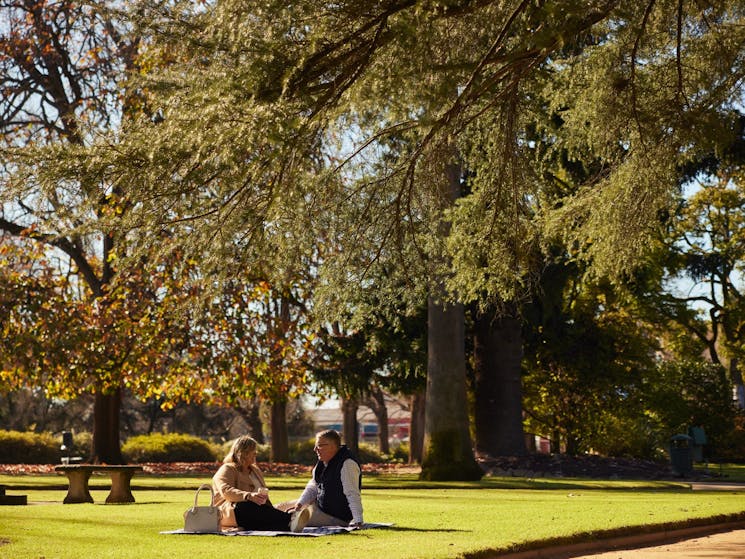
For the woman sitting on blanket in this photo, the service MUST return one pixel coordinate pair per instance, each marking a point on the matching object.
(242, 496)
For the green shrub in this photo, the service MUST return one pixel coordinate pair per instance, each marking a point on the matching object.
(732, 445)
(81, 444)
(369, 454)
(263, 451)
(29, 448)
(170, 447)
(399, 453)
(627, 436)
(224, 449)
(301, 452)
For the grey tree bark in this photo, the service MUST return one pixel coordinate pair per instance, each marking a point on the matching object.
(498, 351)
(447, 453)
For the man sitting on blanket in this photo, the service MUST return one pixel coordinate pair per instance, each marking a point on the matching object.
(334, 488)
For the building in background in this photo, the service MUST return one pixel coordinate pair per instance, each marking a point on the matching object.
(329, 416)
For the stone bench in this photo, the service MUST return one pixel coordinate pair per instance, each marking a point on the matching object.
(11, 499)
(79, 474)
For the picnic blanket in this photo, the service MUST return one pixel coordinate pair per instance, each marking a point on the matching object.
(308, 531)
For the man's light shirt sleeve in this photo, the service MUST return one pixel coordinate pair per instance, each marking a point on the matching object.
(350, 482)
(309, 494)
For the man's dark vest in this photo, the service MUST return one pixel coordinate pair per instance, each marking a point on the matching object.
(331, 496)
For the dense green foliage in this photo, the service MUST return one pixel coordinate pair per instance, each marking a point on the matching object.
(44, 448)
(732, 444)
(170, 447)
(679, 395)
(349, 87)
(301, 452)
(29, 448)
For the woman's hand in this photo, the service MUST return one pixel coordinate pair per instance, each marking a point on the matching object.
(257, 497)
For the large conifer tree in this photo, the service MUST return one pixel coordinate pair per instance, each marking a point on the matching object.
(382, 93)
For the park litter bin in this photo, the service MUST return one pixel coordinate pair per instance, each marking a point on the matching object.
(681, 454)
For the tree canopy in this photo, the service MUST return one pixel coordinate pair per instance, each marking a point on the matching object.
(315, 130)
(320, 139)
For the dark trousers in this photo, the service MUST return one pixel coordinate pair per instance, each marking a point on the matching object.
(251, 516)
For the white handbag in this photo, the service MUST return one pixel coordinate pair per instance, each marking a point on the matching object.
(202, 519)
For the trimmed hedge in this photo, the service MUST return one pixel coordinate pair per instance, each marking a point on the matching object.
(170, 447)
(29, 448)
(370, 454)
(301, 452)
(263, 451)
(44, 448)
(81, 444)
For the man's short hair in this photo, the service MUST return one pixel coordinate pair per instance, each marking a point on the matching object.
(330, 435)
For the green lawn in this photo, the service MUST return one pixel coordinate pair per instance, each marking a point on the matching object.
(724, 472)
(431, 520)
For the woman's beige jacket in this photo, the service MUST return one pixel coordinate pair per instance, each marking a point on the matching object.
(233, 484)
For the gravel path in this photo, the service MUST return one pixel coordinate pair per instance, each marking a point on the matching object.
(725, 545)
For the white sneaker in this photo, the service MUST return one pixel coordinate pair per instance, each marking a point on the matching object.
(299, 519)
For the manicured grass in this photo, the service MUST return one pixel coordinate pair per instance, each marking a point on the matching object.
(724, 472)
(431, 521)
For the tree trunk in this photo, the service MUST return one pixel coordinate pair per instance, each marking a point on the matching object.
(152, 414)
(350, 427)
(530, 443)
(571, 445)
(447, 454)
(376, 402)
(555, 443)
(498, 351)
(280, 442)
(106, 448)
(737, 383)
(250, 411)
(416, 428)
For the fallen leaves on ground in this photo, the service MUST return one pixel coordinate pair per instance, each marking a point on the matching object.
(207, 468)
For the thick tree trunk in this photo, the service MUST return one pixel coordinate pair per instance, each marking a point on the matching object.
(447, 453)
(280, 442)
(376, 402)
(106, 448)
(350, 426)
(416, 428)
(251, 413)
(498, 352)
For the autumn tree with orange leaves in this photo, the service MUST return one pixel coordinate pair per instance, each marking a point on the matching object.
(77, 317)
(61, 75)
(253, 342)
(56, 336)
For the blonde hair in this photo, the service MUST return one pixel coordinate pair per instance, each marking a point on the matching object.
(241, 445)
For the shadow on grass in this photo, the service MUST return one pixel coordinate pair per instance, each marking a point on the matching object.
(532, 484)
